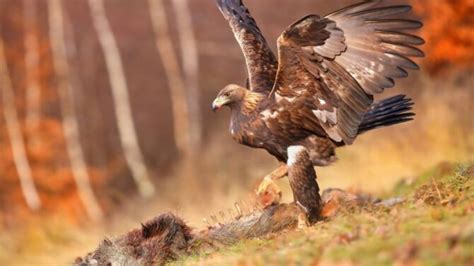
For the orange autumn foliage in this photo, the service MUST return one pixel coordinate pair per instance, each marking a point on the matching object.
(45, 147)
(449, 33)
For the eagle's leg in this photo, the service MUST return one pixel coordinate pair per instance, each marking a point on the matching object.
(303, 183)
(278, 173)
(268, 192)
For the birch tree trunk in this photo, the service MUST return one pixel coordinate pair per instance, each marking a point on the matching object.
(16, 138)
(70, 124)
(190, 62)
(123, 112)
(33, 95)
(175, 81)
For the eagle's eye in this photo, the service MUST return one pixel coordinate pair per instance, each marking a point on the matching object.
(227, 94)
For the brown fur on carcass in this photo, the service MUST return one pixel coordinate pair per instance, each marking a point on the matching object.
(162, 239)
(166, 237)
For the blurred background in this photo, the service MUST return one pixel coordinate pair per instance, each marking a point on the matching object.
(105, 116)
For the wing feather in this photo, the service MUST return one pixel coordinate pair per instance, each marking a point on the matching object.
(260, 60)
(395, 24)
(340, 61)
(356, 7)
(378, 13)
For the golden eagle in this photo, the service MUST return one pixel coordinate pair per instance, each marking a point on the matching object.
(319, 92)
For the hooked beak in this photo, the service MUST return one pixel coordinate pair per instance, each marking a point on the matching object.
(218, 103)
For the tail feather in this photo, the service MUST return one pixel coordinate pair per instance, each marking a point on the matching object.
(390, 111)
(382, 112)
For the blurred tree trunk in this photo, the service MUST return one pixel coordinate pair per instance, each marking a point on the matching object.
(190, 62)
(31, 65)
(70, 124)
(16, 137)
(181, 118)
(123, 112)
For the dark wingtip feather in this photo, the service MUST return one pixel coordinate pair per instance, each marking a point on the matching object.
(356, 7)
(221, 5)
(403, 61)
(403, 73)
(395, 24)
(235, 10)
(399, 37)
(382, 12)
(229, 7)
(402, 49)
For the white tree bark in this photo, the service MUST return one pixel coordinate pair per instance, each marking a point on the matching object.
(173, 74)
(16, 137)
(70, 124)
(123, 112)
(190, 62)
(33, 93)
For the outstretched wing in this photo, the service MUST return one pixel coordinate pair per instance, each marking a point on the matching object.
(340, 61)
(261, 62)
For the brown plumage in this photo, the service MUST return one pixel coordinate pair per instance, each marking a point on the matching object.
(303, 183)
(319, 93)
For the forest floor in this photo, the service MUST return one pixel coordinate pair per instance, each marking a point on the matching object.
(434, 225)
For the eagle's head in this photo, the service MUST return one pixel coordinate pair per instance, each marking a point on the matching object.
(231, 95)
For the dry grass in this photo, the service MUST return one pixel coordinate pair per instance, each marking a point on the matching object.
(432, 227)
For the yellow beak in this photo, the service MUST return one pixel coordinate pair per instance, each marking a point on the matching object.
(218, 103)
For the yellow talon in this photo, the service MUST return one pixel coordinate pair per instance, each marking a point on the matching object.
(268, 193)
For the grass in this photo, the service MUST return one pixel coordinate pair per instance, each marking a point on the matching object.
(434, 226)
